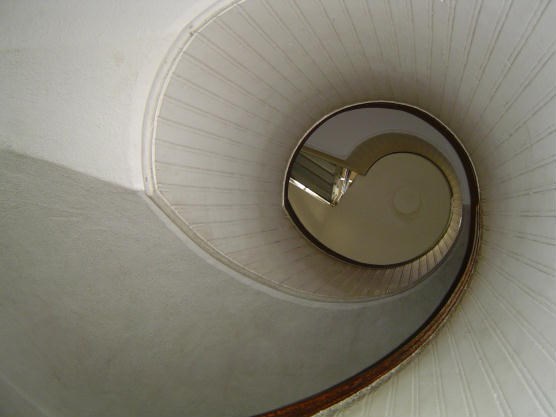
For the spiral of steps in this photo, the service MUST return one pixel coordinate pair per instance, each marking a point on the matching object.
(233, 112)
(212, 301)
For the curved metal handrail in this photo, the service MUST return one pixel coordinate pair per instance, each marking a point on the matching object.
(379, 372)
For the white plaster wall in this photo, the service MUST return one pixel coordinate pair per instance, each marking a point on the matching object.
(486, 68)
(76, 76)
(105, 311)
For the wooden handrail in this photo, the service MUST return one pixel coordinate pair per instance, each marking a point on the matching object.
(381, 370)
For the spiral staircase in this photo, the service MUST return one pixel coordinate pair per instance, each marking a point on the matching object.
(203, 298)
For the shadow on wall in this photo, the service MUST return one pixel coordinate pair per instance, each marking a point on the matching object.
(105, 311)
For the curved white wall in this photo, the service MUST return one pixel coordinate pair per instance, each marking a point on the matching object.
(76, 84)
(75, 78)
(244, 86)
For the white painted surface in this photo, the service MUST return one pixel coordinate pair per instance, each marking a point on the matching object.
(486, 68)
(76, 77)
(104, 311)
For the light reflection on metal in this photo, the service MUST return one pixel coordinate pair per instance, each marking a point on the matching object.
(322, 176)
(342, 184)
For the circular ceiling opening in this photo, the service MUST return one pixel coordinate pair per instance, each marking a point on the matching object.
(376, 185)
